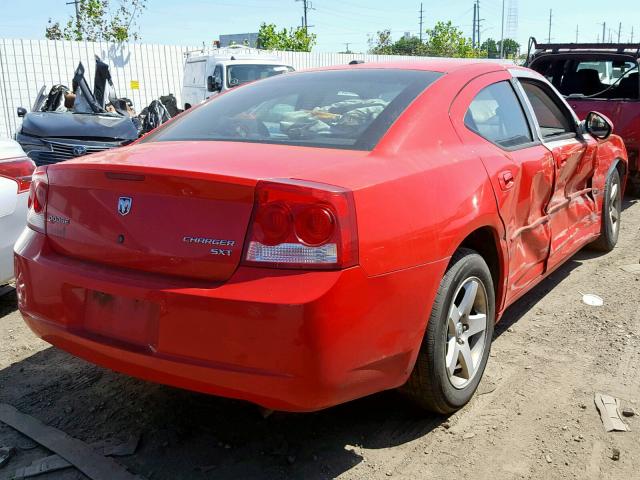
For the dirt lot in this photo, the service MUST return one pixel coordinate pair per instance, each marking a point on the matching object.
(533, 417)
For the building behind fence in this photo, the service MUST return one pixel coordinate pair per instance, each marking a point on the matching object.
(141, 72)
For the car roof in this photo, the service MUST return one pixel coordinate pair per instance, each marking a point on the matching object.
(442, 65)
(251, 61)
(563, 48)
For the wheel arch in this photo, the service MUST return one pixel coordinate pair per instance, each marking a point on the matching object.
(622, 168)
(486, 241)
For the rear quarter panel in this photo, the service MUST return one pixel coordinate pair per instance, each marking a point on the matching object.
(428, 190)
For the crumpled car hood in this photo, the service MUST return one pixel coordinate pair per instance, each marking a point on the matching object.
(77, 125)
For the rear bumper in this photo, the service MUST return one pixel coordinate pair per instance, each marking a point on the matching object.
(287, 340)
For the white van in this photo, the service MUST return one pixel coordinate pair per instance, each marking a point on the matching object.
(208, 73)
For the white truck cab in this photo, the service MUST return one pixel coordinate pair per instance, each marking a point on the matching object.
(210, 72)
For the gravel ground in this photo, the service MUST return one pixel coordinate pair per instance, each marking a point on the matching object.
(533, 416)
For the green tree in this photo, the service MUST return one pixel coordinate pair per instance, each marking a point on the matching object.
(490, 48)
(511, 48)
(409, 46)
(294, 40)
(381, 43)
(446, 40)
(99, 20)
(443, 40)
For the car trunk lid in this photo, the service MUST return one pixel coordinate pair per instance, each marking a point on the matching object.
(151, 220)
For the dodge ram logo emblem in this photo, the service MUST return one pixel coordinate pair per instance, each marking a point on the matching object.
(79, 150)
(124, 205)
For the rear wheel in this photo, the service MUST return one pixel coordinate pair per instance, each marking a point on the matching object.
(611, 213)
(458, 337)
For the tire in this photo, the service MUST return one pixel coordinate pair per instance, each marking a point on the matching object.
(611, 213)
(431, 385)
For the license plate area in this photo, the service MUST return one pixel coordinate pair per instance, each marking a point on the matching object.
(129, 320)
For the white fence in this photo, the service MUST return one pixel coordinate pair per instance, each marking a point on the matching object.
(26, 65)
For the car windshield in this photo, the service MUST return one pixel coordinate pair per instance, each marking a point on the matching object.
(591, 77)
(333, 108)
(239, 74)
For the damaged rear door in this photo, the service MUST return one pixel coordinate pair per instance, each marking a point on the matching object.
(520, 169)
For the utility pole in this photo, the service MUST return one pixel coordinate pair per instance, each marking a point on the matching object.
(619, 31)
(631, 41)
(475, 17)
(347, 45)
(77, 4)
(421, 12)
(502, 33)
(604, 29)
(306, 6)
(478, 11)
(550, 17)
(577, 32)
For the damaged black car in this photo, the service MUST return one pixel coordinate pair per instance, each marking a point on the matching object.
(69, 123)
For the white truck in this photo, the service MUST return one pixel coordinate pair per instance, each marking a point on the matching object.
(210, 72)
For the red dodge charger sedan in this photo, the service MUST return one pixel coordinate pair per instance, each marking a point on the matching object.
(316, 237)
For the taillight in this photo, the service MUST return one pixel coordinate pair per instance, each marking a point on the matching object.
(300, 224)
(36, 217)
(20, 170)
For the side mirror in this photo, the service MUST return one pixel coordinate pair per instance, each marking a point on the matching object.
(22, 112)
(213, 84)
(598, 126)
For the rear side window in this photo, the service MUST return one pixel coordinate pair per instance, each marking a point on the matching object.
(350, 109)
(552, 119)
(496, 114)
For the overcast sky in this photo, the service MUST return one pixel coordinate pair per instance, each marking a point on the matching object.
(191, 22)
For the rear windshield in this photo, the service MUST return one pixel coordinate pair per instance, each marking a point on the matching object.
(335, 108)
(591, 77)
(239, 74)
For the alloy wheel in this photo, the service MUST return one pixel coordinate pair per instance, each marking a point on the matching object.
(615, 206)
(466, 332)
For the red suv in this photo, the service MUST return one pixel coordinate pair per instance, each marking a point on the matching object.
(598, 76)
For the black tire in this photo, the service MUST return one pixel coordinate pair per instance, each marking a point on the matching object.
(429, 385)
(610, 229)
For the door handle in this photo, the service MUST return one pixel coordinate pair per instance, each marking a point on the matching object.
(506, 180)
